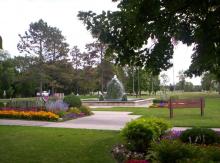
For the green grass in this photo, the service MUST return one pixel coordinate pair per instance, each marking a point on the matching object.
(182, 117)
(55, 145)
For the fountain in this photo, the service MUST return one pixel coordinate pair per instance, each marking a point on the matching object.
(116, 97)
(115, 91)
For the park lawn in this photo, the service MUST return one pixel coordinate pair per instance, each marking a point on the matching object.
(182, 117)
(56, 145)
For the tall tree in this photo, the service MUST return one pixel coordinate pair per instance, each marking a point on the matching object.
(128, 30)
(44, 42)
(1, 42)
(182, 80)
(208, 82)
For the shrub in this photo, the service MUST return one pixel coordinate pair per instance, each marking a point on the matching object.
(86, 110)
(169, 151)
(1, 105)
(160, 125)
(141, 132)
(61, 113)
(122, 154)
(212, 153)
(158, 101)
(72, 101)
(25, 104)
(172, 152)
(199, 136)
(74, 110)
(101, 98)
(124, 98)
(56, 106)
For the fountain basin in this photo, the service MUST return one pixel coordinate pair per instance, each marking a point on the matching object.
(114, 103)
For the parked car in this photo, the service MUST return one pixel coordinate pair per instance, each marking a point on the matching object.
(44, 93)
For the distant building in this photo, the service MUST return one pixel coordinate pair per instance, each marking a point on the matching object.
(1, 42)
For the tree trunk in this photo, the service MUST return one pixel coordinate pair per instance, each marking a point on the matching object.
(219, 87)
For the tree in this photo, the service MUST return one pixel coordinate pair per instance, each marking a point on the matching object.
(56, 45)
(1, 42)
(144, 32)
(44, 42)
(7, 77)
(165, 81)
(208, 82)
(182, 80)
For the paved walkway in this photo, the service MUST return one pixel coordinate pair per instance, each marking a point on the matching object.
(103, 120)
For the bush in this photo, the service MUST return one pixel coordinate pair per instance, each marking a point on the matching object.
(160, 125)
(72, 101)
(172, 152)
(1, 105)
(141, 132)
(122, 154)
(157, 101)
(86, 110)
(199, 136)
(101, 98)
(25, 104)
(56, 106)
(74, 110)
(169, 151)
(124, 98)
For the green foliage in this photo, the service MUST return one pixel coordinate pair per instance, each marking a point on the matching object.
(61, 113)
(74, 110)
(1, 104)
(101, 97)
(72, 101)
(168, 151)
(199, 136)
(141, 132)
(127, 30)
(124, 98)
(86, 110)
(157, 101)
(172, 152)
(25, 104)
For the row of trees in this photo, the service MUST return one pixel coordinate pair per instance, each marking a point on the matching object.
(48, 63)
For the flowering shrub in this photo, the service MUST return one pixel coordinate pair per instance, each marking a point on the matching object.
(200, 136)
(122, 154)
(56, 106)
(30, 115)
(172, 135)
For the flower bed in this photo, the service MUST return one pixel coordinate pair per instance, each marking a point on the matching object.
(30, 115)
(35, 109)
(150, 140)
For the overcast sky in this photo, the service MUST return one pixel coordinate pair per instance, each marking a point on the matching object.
(16, 15)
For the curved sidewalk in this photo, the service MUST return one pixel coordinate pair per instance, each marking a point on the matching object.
(102, 120)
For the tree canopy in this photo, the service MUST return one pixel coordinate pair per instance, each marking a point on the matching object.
(144, 32)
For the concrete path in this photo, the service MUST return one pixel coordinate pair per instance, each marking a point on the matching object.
(103, 120)
(184, 128)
